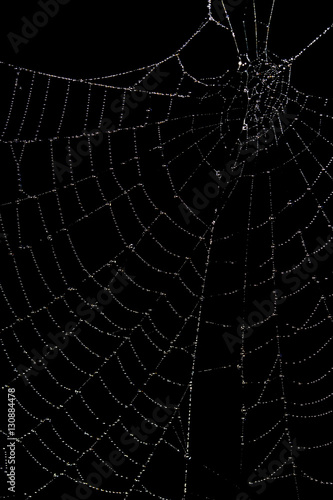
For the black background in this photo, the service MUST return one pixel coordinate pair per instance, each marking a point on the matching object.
(96, 38)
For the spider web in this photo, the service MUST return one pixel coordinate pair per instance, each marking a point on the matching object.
(188, 277)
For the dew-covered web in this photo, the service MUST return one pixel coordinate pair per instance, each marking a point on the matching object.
(125, 210)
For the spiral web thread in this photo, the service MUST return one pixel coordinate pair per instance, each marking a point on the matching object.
(132, 213)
